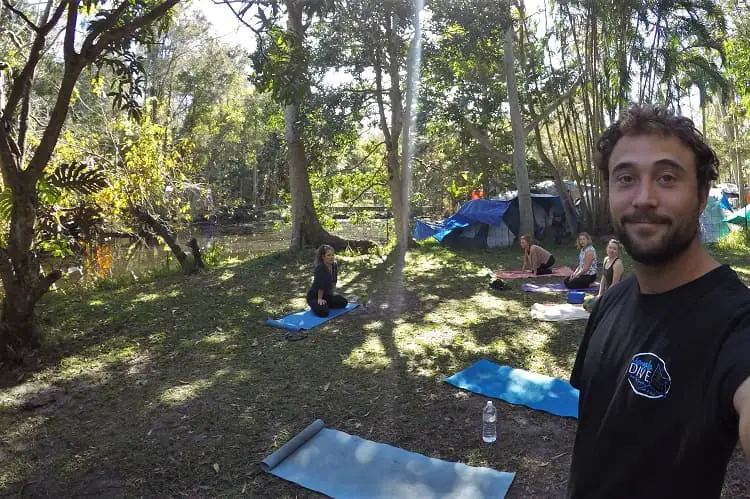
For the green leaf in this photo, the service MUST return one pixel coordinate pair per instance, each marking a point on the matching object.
(78, 177)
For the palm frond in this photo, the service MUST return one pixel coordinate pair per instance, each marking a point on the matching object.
(78, 177)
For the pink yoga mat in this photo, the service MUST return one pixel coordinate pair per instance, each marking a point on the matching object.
(517, 274)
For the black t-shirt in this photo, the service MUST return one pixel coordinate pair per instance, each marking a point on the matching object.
(657, 374)
(323, 279)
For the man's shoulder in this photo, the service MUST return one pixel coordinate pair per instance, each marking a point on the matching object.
(727, 291)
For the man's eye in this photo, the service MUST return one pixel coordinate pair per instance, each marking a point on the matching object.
(624, 179)
(667, 178)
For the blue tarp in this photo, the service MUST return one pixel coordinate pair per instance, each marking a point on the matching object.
(489, 212)
(485, 211)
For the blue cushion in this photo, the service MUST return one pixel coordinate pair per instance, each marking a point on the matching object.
(576, 297)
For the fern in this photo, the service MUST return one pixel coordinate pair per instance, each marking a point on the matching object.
(78, 177)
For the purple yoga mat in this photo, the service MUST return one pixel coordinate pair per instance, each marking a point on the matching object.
(554, 287)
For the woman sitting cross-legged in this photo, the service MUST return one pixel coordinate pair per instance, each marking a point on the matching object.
(612, 272)
(585, 274)
(321, 296)
(612, 268)
(538, 259)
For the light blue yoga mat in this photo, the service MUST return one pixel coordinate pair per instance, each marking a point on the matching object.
(307, 319)
(345, 466)
(555, 287)
(517, 386)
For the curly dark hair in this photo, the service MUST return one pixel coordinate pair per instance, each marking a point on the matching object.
(646, 119)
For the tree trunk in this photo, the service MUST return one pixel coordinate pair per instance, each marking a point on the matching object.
(189, 265)
(21, 273)
(562, 189)
(392, 133)
(519, 138)
(306, 228)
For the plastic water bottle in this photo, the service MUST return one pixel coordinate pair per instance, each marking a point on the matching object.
(489, 423)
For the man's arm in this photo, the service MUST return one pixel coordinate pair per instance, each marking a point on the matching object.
(742, 406)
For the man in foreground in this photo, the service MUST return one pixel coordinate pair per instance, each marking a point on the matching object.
(663, 368)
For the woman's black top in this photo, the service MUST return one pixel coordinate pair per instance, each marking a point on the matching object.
(323, 279)
(609, 273)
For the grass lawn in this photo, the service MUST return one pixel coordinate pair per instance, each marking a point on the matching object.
(175, 387)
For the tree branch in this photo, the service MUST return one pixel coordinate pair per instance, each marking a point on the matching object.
(27, 73)
(240, 15)
(362, 193)
(379, 95)
(352, 168)
(107, 24)
(485, 142)
(74, 64)
(69, 50)
(551, 108)
(14, 39)
(45, 283)
(23, 119)
(23, 17)
(119, 33)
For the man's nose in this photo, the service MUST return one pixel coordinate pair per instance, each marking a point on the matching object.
(646, 195)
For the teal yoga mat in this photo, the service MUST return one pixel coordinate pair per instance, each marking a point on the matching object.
(307, 319)
(346, 466)
(517, 386)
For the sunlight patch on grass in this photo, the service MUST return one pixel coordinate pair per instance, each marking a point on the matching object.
(96, 303)
(370, 355)
(373, 326)
(147, 298)
(157, 338)
(178, 394)
(95, 360)
(226, 275)
(14, 472)
(242, 375)
(257, 300)
(232, 260)
(215, 337)
(16, 438)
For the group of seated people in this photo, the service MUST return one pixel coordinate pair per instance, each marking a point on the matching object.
(540, 261)
(322, 297)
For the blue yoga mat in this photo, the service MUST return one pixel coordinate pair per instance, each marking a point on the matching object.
(517, 386)
(307, 319)
(345, 466)
(555, 287)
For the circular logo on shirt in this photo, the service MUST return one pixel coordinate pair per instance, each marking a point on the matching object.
(648, 376)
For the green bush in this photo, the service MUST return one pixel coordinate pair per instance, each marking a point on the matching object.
(734, 241)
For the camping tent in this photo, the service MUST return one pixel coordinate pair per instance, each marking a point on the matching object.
(712, 220)
(493, 223)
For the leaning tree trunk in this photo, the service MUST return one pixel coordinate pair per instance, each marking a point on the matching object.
(21, 273)
(519, 138)
(189, 266)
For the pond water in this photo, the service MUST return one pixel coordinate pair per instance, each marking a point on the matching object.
(117, 259)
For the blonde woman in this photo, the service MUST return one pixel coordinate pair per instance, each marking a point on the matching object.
(538, 259)
(613, 271)
(612, 268)
(585, 274)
